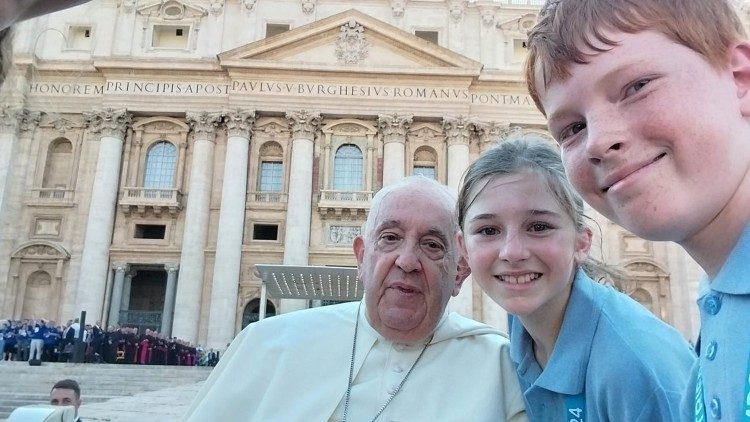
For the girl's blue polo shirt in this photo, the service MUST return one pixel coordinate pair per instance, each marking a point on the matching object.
(629, 365)
(725, 338)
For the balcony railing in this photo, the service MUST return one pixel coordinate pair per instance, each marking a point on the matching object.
(52, 196)
(267, 197)
(158, 199)
(353, 202)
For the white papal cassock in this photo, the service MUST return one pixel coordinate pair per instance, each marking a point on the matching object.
(295, 367)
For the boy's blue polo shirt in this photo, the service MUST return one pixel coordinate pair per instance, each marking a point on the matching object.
(630, 365)
(725, 337)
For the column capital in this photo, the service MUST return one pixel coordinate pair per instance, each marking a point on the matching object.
(490, 132)
(108, 122)
(120, 267)
(204, 124)
(29, 120)
(457, 129)
(172, 268)
(304, 123)
(9, 118)
(239, 122)
(394, 127)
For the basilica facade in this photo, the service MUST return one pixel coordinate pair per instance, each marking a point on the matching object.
(152, 153)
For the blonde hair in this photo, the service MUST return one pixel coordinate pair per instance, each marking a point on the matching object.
(567, 27)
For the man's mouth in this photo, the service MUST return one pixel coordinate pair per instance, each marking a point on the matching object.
(519, 279)
(623, 174)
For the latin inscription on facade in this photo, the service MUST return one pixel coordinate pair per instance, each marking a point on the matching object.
(275, 88)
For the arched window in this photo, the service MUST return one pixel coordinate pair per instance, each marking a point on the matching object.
(425, 163)
(160, 164)
(252, 311)
(58, 165)
(347, 169)
(37, 295)
(644, 298)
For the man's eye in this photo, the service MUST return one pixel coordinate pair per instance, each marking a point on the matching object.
(571, 130)
(431, 244)
(636, 86)
(389, 237)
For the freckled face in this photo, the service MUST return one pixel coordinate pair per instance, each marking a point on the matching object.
(408, 265)
(652, 135)
(521, 246)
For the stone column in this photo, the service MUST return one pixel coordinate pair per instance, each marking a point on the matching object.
(111, 125)
(169, 298)
(9, 117)
(226, 277)
(117, 290)
(458, 132)
(394, 127)
(192, 257)
(125, 302)
(304, 124)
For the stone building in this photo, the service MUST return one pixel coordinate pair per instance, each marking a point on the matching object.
(153, 152)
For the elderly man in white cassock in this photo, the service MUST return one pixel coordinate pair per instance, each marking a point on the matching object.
(395, 356)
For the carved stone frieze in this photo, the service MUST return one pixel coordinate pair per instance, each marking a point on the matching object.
(398, 6)
(488, 15)
(249, 4)
(108, 122)
(458, 129)
(394, 127)
(343, 235)
(308, 6)
(204, 124)
(239, 122)
(304, 124)
(216, 7)
(426, 133)
(456, 9)
(351, 45)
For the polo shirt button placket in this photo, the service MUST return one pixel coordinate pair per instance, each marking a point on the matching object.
(712, 304)
(715, 407)
(711, 350)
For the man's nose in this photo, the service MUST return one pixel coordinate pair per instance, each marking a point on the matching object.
(514, 249)
(606, 135)
(408, 257)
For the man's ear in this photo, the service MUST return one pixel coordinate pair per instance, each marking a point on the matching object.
(461, 274)
(359, 249)
(739, 64)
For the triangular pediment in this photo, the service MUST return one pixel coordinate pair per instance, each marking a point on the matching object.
(350, 41)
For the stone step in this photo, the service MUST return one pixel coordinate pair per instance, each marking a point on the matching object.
(99, 382)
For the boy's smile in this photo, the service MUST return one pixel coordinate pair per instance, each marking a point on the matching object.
(649, 127)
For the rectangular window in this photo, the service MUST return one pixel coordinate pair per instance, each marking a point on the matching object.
(265, 232)
(79, 38)
(431, 36)
(150, 231)
(273, 29)
(271, 174)
(426, 171)
(170, 36)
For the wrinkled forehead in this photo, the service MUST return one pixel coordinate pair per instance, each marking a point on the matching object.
(417, 209)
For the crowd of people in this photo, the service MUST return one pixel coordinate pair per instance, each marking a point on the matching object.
(23, 340)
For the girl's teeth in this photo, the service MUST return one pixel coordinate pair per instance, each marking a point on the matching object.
(522, 279)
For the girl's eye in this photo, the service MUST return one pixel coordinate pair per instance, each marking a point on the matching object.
(540, 227)
(571, 130)
(487, 231)
(636, 86)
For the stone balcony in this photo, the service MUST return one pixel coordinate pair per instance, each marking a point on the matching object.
(266, 200)
(51, 197)
(139, 199)
(341, 202)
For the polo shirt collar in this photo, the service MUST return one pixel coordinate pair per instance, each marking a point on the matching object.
(732, 277)
(566, 370)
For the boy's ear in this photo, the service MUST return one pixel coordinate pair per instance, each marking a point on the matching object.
(739, 64)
